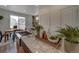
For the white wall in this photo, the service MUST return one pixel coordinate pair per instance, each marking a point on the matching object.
(5, 22)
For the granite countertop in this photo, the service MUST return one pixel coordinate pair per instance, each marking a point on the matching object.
(37, 46)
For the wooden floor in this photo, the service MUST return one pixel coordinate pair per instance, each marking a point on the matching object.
(11, 48)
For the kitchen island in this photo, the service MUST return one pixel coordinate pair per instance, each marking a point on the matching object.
(31, 44)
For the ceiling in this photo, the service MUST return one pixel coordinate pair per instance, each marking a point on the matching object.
(25, 9)
(30, 9)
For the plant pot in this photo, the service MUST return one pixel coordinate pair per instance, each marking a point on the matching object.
(37, 36)
(54, 41)
(71, 47)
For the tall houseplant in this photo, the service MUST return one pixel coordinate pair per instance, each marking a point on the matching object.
(71, 35)
(38, 28)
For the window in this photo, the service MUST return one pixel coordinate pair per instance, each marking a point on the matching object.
(21, 22)
(17, 21)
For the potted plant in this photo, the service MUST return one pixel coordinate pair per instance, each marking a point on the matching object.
(38, 28)
(53, 39)
(71, 36)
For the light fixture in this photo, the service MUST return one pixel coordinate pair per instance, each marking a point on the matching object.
(37, 18)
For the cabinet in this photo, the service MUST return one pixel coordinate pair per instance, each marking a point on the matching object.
(77, 16)
(54, 22)
(44, 21)
(69, 16)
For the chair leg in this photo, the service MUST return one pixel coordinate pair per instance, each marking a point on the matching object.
(1, 38)
(5, 38)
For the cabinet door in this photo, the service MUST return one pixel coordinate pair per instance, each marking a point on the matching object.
(78, 17)
(44, 20)
(68, 17)
(55, 21)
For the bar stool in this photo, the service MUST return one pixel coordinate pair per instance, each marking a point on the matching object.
(6, 35)
(1, 36)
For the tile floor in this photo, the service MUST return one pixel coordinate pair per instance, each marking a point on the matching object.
(9, 47)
